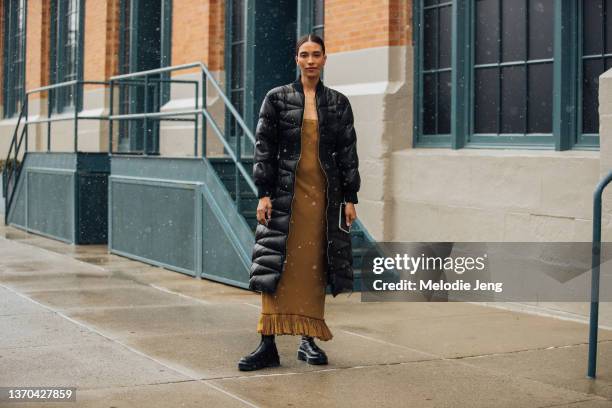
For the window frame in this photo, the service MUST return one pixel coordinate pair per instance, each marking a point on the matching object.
(306, 23)
(13, 95)
(566, 94)
(130, 97)
(60, 100)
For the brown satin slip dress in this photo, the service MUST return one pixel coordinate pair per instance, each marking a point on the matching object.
(298, 305)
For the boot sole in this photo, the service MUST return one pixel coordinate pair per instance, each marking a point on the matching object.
(247, 367)
(302, 356)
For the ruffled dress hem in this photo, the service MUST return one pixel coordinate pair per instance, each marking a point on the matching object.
(293, 324)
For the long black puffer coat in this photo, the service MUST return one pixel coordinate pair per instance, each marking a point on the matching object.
(277, 151)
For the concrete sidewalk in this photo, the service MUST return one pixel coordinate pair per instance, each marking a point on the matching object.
(131, 335)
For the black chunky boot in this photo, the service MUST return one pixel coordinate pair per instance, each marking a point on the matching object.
(310, 352)
(266, 355)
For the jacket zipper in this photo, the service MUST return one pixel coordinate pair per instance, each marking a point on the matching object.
(326, 188)
(293, 192)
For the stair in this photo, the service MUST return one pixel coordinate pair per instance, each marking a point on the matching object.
(226, 170)
(248, 200)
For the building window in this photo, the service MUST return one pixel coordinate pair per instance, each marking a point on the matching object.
(14, 56)
(595, 19)
(436, 68)
(66, 52)
(236, 34)
(486, 72)
(318, 17)
(144, 44)
(513, 72)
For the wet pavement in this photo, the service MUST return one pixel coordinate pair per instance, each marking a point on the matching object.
(126, 334)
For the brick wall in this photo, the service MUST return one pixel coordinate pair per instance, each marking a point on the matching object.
(357, 24)
(35, 53)
(101, 41)
(198, 32)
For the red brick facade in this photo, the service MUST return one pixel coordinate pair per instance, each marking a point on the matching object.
(357, 24)
(198, 33)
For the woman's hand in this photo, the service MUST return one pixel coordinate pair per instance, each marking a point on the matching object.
(264, 210)
(349, 213)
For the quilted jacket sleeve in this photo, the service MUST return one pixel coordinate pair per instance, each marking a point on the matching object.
(348, 161)
(265, 165)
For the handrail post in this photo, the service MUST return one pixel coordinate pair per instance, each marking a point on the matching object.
(595, 262)
(238, 131)
(76, 115)
(49, 107)
(145, 144)
(157, 103)
(26, 122)
(204, 106)
(110, 118)
(195, 125)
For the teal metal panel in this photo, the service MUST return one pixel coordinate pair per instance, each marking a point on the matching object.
(16, 214)
(176, 213)
(223, 259)
(63, 196)
(153, 221)
(50, 202)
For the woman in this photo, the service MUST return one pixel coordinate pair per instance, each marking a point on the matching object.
(306, 166)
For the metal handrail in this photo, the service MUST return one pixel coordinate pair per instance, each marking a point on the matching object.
(12, 170)
(10, 167)
(595, 261)
(197, 112)
(129, 79)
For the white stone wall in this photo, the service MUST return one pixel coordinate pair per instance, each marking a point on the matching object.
(479, 195)
(177, 138)
(378, 82)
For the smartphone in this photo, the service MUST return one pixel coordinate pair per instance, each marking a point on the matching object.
(342, 225)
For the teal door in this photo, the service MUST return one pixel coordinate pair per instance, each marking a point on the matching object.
(260, 41)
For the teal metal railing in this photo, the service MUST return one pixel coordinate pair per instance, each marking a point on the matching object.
(193, 115)
(15, 155)
(595, 264)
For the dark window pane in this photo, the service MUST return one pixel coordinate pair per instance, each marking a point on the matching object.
(318, 12)
(485, 103)
(445, 36)
(430, 34)
(540, 98)
(237, 63)
(590, 85)
(541, 14)
(513, 99)
(444, 102)
(237, 100)
(608, 26)
(237, 20)
(592, 15)
(429, 104)
(14, 43)
(431, 2)
(487, 31)
(514, 20)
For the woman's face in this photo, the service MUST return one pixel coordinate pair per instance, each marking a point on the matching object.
(310, 59)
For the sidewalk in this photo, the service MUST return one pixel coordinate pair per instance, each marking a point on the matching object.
(131, 335)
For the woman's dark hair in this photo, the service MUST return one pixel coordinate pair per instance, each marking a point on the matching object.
(309, 37)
